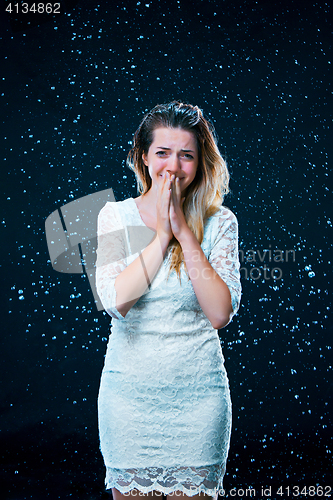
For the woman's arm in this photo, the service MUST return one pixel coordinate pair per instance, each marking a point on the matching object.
(212, 291)
(119, 284)
(132, 283)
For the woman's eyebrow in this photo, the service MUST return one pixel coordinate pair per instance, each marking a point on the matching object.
(168, 149)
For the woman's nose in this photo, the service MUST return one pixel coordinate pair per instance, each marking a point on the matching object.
(173, 164)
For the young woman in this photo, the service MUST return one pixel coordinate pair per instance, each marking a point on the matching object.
(164, 402)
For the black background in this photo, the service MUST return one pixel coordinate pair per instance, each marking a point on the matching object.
(74, 87)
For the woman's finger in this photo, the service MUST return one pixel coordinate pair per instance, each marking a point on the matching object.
(163, 202)
(178, 191)
(164, 187)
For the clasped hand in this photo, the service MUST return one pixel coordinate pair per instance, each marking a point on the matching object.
(170, 216)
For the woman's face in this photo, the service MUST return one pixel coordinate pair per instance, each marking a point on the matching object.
(173, 150)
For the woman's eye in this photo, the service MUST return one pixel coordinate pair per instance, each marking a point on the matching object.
(188, 156)
(160, 153)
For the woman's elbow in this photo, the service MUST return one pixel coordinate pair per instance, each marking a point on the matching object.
(222, 320)
(218, 325)
(122, 311)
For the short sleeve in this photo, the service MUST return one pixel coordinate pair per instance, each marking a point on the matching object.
(224, 254)
(111, 256)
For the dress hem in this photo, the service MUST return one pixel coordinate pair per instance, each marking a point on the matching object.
(208, 486)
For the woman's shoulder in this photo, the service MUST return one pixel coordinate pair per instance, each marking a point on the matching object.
(116, 206)
(113, 212)
(219, 223)
(223, 215)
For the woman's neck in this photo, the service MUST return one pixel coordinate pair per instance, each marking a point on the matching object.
(147, 207)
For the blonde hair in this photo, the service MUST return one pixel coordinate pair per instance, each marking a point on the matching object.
(205, 194)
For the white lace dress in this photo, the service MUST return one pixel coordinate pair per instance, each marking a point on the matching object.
(164, 404)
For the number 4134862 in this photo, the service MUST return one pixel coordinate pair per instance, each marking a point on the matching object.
(310, 491)
(35, 8)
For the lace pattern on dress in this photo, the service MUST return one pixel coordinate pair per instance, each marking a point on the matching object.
(224, 254)
(112, 252)
(113, 255)
(188, 480)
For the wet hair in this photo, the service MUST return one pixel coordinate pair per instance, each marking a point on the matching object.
(205, 194)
